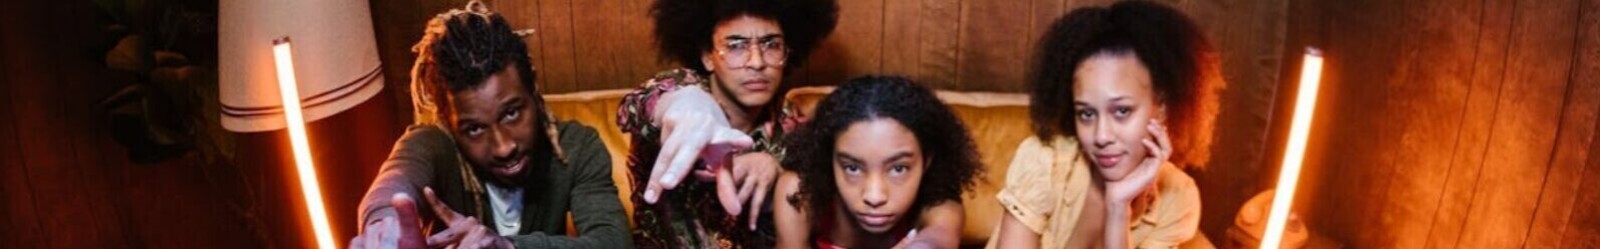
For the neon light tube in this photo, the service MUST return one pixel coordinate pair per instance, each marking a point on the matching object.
(1294, 154)
(290, 91)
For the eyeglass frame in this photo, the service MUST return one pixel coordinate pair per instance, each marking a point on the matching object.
(723, 50)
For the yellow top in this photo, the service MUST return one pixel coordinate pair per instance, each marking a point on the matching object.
(1046, 186)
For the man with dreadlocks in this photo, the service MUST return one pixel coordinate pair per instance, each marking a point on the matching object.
(719, 119)
(495, 170)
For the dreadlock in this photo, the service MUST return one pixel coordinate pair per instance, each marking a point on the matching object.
(459, 50)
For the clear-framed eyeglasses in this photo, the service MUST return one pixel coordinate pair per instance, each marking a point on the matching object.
(737, 52)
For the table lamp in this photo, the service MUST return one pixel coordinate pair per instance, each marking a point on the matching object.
(286, 63)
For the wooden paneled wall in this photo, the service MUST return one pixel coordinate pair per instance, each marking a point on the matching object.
(953, 44)
(63, 182)
(1454, 124)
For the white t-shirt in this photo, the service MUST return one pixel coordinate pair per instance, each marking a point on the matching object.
(506, 203)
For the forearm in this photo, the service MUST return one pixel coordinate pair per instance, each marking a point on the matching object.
(1117, 227)
(400, 174)
(1015, 235)
(941, 226)
(375, 205)
(936, 237)
(687, 97)
(792, 222)
(410, 166)
(637, 113)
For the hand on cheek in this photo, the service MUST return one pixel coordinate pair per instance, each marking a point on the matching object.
(1159, 148)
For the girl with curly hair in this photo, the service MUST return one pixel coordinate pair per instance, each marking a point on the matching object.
(1104, 168)
(883, 164)
(720, 119)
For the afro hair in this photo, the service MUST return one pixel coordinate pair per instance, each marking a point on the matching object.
(1182, 63)
(683, 28)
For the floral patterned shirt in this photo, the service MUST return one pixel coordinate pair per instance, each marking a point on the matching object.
(690, 216)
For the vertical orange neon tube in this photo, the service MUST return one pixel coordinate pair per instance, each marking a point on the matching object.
(1294, 154)
(290, 90)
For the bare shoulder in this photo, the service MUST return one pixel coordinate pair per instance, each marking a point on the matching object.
(788, 184)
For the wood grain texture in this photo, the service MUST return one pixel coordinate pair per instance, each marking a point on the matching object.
(1539, 60)
(52, 159)
(902, 37)
(596, 40)
(1359, 52)
(1250, 54)
(1471, 138)
(637, 49)
(939, 32)
(1432, 79)
(16, 188)
(855, 48)
(951, 44)
(992, 46)
(1453, 124)
(557, 60)
(1582, 227)
(1573, 140)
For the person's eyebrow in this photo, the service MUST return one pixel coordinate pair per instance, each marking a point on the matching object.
(762, 37)
(842, 156)
(897, 157)
(511, 101)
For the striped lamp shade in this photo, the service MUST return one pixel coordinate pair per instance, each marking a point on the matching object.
(335, 53)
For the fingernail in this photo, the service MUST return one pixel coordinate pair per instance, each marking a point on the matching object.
(667, 176)
(650, 195)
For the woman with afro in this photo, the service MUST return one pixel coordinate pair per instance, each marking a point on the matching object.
(1123, 98)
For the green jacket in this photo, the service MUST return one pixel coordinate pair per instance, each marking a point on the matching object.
(427, 156)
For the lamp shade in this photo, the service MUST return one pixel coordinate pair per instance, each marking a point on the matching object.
(336, 59)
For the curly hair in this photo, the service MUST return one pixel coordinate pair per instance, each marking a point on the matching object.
(952, 162)
(684, 28)
(1182, 63)
(459, 50)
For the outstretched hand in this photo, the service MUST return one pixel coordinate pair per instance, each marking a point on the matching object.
(400, 231)
(748, 179)
(463, 231)
(693, 127)
(404, 230)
